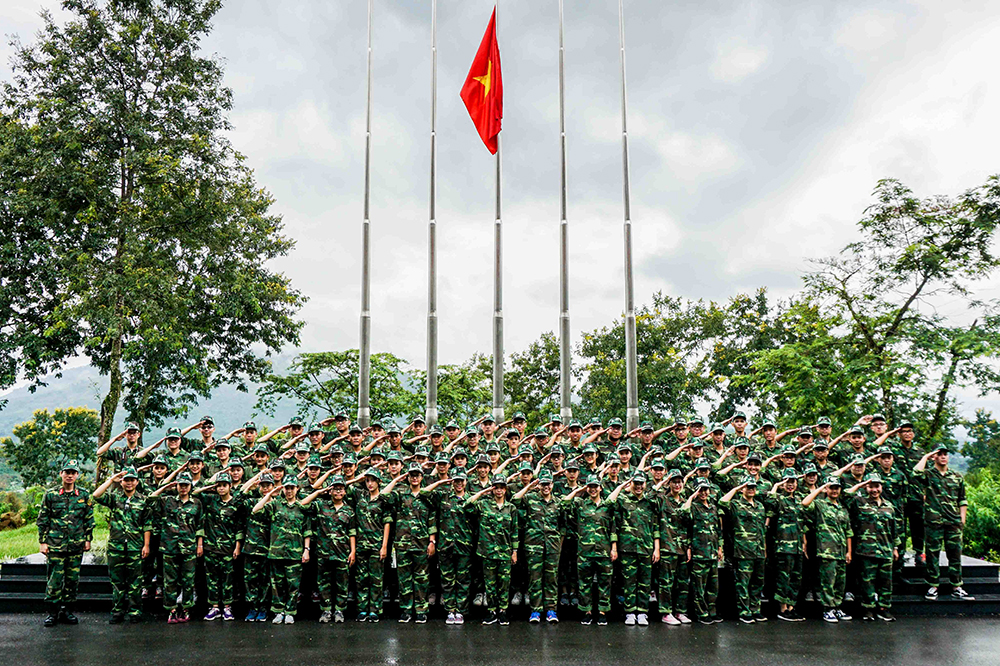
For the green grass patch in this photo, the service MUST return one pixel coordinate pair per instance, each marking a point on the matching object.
(24, 540)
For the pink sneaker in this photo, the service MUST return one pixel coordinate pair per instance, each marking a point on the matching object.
(670, 619)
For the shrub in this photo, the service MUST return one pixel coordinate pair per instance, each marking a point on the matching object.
(982, 528)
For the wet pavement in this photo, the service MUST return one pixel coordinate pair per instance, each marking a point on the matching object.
(909, 641)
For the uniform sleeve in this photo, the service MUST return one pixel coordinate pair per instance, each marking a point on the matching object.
(962, 501)
(43, 521)
(200, 519)
(241, 521)
(431, 517)
(88, 518)
(515, 532)
(616, 518)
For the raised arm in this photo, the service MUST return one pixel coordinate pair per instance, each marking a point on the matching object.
(103, 448)
(617, 491)
(146, 451)
(808, 499)
(524, 491)
(101, 489)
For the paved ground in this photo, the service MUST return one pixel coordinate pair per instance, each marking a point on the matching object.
(910, 641)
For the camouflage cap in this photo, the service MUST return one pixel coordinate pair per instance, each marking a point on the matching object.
(590, 448)
(884, 449)
(616, 423)
(340, 416)
(742, 441)
(657, 464)
(789, 449)
(512, 433)
(297, 421)
(183, 478)
(458, 451)
(696, 420)
(675, 474)
(646, 427)
(754, 456)
(492, 446)
(130, 473)
(824, 421)
(289, 481)
(207, 419)
(223, 477)
(173, 432)
(458, 474)
(452, 426)
(277, 463)
(525, 449)
(702, 464)
(519, 416)
(834, 481)
(196, 456)
(414, 468)
(718, 427)
(749, 481)
(857, 459)
(498, 480)
(571, 464)
(545, 476)
(373, 473)
(874, 477)
(488, 419)
(906, 424)
(377, 452)
(349, 459)
(132, 425)
(442, 457)
(941, 448)
(235, 462)
(701, 484)
(418, 419)
(555, 418)
(697, 444)
(790, 473)
(314, 461)
(577, 424)
(160, 460)
(422, 450)
(876, 418)
(556, 450)
(436, 431)
(805, 432)
(261, 448)
(639, 477)
(302, 447)
(315, 427)
(820, 444)
(856, 430)
(623, 447)
(394, 429)
(223, 443)
(266, 478)
(768, 424)
(250, 425)
(593, 480)
(525, 467)
(472, 431)
(394, 455)
(377, 425)
(353, 428)
(541, 432)
(739, 414)
(810, 468)
(337, 480)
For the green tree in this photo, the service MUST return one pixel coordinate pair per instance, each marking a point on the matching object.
(465, 390)
(532, 383)
(42, 445)
(982, 449)
(134, 233)
(982, 527)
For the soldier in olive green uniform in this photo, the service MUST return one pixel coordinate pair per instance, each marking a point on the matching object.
(831, 529)
(225, 520)
(674, 543)
(129, 527)
(944, 519)
(454, 544)
(414, 542)
(373, 517)
(787, 517)
(637, 527)
(180, 518)
(747, 520)
(497, 545)
(288, 549)
(544, 527)
(593, 520)
(704, 529)
(876, 546)
(334, 543)
(65, 529)
(256, 541)
(907, 453)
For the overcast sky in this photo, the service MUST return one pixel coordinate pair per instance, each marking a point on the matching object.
(757, 131)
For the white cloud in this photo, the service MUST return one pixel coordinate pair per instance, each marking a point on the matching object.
(735, 61)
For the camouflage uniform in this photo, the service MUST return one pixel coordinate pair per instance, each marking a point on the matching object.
(788, 521)
(544, 527)
(746, 520)
(703, 532)
(454, 550)
(637, 526)
(223, 526)
(875, 537)
(595, 532)
(415, 522)
(256, 540)
(180, 525)
(333, 528)
(498, 538)
(371, 516)
(121, 457)
(290, 525)
(831, 528)
(674, 542)
(944, 495)
(129, 519)
(911, 511)
(65, 521)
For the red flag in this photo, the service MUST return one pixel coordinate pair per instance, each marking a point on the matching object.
(483, 89)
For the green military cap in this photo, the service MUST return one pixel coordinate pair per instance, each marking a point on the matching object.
(452, 426)
(349, 459)
(488, 419)
(820, 444)
(266, 478)
(436, 430)
(393, 429)
(442, 458)
(250, 425)
(856, 430)
(130, 473)
(696, 420)
(482, 460)
(377, 451)
(183, 478)
(235, 462)
(414, 468)
(941, 448)
(593, 480)
(790, 473)
(824, 421)
(512, 433)
(196, 456)
(738, 414)
(132, 425)
(575, 424)
(353, 428)
(458, 451)
(834, 481)
(878, 417)
(302, 447)
(71, 466)
(207, 419)
(805, 432)
(336, 450)
(555, 418)
(422, 451)
(492, 446)
(277, 463)
(261, 448)
(646, 427)
(458, 474)
(857, 459)
(874, 477)
(657, 464)
(810, 468)
(373, 473)
(639, 477)
(623, 447)
(742, 441)
(697, 444)
(556, 450)
(498, 480)
(526, 467)
(614, 461)
(472, 430)
(749, 481)
(173, 432)
(656, 449)
(702, 464)
(571, 464)
(223, 477)
(524, 449)
(541, 432)
(718, 427)
(340, 416)
(769, 424)
(297, 421)
(289, 481)
(882, 450)
(223, 442)
(754, 456)
(545, 476)
(160, 460)
(702, 483)
(314, 461)
(315, 427)
(519, 416)
(789, 448)
(675, 474)
(615, 422)
(906, 424)
(394, 455)
(337, 480)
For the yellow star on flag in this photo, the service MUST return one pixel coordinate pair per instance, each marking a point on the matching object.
(485, 79)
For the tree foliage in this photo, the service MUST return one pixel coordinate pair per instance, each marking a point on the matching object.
(42, 445)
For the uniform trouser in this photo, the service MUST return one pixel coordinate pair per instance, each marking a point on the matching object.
(62, 572)
(832, 576)
(787, 577)
(331, 579)
(178, 578)
(519, 574)
(949, 539)
(595, 583)
(637, 570)
(286, 576)
(913, 512)
(674, 580)
(876, 583)
(152, 566)
(456, 578)
(704, 587)
(543, 572)
(496, 580)
(368, 574)
(411, 567)
(569, 581)
(125, 572)
(748, 579)
(257, 579)
(219, 578)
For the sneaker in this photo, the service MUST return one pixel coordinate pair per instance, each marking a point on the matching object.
(421, 618)
(886, 616)
(787, 615)
(842, 616)
(759, 617)
(213, 614)
(326, 617)
(630, 620)
(278, 618)
(551, 617)
(652, 597)
(478, 600)
(670, 619)
(405, 617)
(262, 616)
(587, 619)
(706, 620)
(535, 617)
(289, 619)
(932, 594)
(849, 596)
(451, 619)
(642, 620)
(116, 618)
(868, 617)
(361, 617)
(372, 618)
(159, 592)
(683, 619)
(717, 619)
(227, 614)
(459, 618)
(959, 593)
(810, 596)
(746, 619)
(182, 615)
(432, 599)
(830, 616)
(338, 617)
(574, 601)
(171, 619)
(798, 616)
(502, 618)
(145, 593)
(491, 618)
(135, 618)
(516, 599)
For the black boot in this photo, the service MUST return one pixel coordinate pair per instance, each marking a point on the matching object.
(53, 617)
(66, 615)
(117, 618)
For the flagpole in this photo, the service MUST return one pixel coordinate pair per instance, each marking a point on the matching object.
(498, 281)
(631, 381)
(432, 330)
(565, 361)
(364, 356)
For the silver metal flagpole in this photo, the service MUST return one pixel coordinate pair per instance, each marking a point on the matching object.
(432, 329)
(631, 381)
(364, 360)
(565, 361)
(498, 285)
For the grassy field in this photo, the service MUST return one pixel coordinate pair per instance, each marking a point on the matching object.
(24, 540)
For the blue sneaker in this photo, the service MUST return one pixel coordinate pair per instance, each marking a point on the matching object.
(361, 617)
(551, 617)
(262, 616)
(536, 617)
(251, 616)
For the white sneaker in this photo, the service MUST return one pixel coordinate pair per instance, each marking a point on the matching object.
(278, 619)
(684, 619)
(451, 619)
(289, 619)
(326, 617)
(478, 600)
(849, 596)
(432, 599)
(459, 618)
(670, 619)
(642, 620)
(630, 620)
(652, 597)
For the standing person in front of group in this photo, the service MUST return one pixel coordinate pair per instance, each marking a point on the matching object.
(748, 524)
(497, 546)
(876, 546)
(180, 517)
(256, 542)
(637, 527)
(414, 543)
(593, 519)
(373, 516)
(544, 527)
(704, 551)
(65, 529)
(225, 520)
(288, 548)
(831, 528)
(334, 542)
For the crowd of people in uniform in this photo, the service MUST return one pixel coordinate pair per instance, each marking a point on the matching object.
(568, 519)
